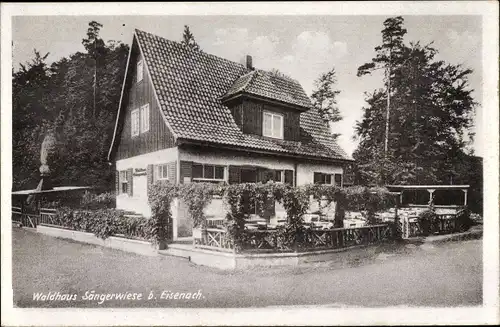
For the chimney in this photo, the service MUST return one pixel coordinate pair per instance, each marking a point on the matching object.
(247, 61)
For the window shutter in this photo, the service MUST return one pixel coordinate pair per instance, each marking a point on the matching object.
(289, 177)
(130, 180)
(234, 175)
(150, 175)
(338, 179)
(318, 178)
(172, 172)
(186, 170)
(117, 182)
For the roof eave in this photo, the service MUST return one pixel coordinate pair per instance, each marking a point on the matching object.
(187, 141)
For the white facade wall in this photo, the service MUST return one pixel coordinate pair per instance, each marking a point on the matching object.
(138, 202)
(152, 158)
(305, 171)
(305, 175)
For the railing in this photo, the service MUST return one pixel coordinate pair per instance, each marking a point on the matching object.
(47, 216)
(17, 214)
(214, 222)
(266, 240)
(215, 239)
(444, 224)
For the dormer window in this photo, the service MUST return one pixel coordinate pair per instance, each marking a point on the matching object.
(140, 71)
(272, 125)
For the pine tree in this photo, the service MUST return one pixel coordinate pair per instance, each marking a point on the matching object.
(188, 39)
(324, 97)
(430, 112)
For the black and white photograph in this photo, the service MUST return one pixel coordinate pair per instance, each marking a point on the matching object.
(250, 164)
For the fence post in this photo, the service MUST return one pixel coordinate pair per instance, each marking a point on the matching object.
(398, 232)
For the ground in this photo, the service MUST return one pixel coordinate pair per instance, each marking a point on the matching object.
(448, 274)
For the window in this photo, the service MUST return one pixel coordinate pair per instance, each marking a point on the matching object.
(278, 176)
(272, 125)
(322, 178)
(208, 172)
(140, 70)
(162, 172)
(123, 182)
(135, 122)
(145, 118)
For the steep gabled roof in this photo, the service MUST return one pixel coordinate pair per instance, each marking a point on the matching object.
(190, 85)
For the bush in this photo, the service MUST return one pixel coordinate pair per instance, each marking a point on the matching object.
(197, 196)
(91, 200)
(103, 222)
(464, 219)
(134, 227)
(427, 219)
(160, 196)
(368, 201)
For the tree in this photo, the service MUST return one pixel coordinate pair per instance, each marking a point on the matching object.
(279, 73)
(389, 54)
(96, 48)
(324, 97)
(431, 109)
(188, 39)
(59, 98)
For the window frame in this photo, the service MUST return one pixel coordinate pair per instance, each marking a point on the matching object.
(205, 179)
(123, 179)
(143, 121)
(282, 124)
(324, 178)
(140, 70)
(160, 169)
(281, 173)
(135, 113)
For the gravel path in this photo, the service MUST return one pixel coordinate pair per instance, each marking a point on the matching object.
(448, 274)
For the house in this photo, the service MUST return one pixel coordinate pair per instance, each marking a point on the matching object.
(188, 116)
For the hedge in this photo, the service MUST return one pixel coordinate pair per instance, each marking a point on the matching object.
(102, 222)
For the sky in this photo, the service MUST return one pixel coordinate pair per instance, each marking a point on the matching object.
(302, 47)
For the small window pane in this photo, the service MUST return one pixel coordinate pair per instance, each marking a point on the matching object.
(277, 175)
(145, 118)
(328, 179)
(219, 172)
(197, 171)
(208, 171)
(140, 70)
(135, 122)
(164, 171)
(277, 126)
(268, 124)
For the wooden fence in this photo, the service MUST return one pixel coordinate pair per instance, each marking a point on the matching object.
(259, 240)
(443, 224)
(26, 219)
